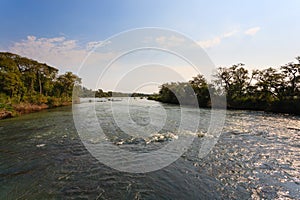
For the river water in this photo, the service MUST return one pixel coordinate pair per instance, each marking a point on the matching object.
(257, 157)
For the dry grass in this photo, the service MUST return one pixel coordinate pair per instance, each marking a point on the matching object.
(28, 108)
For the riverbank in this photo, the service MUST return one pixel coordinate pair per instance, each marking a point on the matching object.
(9, 111)
(28, 86)
(291, 106)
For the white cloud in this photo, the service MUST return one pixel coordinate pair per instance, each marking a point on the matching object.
(229, 34)
(252, 31)
(57, 51)
(66, 55)
(216, 40)
(210, 43)
(56, 39)
(92, 45)
(171, 41)
(31, 38)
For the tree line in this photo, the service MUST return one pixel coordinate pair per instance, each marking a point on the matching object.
(26, 80)
(271, 89)
(85, 92)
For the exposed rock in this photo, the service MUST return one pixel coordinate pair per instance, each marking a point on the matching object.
(151, 139)
(40, 145)
(200, 135)
(5, 114)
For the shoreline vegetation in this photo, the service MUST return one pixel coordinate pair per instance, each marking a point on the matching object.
(271, 90)
(28, 86)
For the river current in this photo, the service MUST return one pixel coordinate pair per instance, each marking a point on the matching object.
(257, 156)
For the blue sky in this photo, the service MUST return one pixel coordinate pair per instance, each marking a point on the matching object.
(258, 33)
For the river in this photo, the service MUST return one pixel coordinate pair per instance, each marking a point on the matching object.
(257, 157)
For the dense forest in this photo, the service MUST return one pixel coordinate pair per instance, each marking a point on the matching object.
(27, 85)
(271, 89)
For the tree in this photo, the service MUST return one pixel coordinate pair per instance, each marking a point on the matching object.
(234, 80)
(99, 93)
(292, 76)
(166, 93)
(201, 89)
(270, 84)
(26, 80)
(10, 78)
(65, 83)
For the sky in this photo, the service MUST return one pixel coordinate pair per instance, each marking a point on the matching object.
(258, 33)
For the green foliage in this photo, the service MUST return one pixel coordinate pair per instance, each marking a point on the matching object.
(36, 99)
(100, 93)
(23, 80)
(141, 95)
(4, 99)
(269, 89)
(28, 81)
(84, 92)
(183, 93)
(6, 107)
(154, 97)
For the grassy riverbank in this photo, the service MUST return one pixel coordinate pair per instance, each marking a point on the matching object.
(17, 109)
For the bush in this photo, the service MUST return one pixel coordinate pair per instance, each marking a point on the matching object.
(54, 102)
(4, 99)
(6, 107)
(36, 99)
(286, 106)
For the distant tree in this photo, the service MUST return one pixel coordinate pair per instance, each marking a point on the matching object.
(234, 80)
(268, 89)
(292, 76)
(201, 89)
(270, 84)
(166, 93)
(99, 93)
(109, 93)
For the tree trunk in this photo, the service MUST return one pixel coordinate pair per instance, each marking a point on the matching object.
(40, 83)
